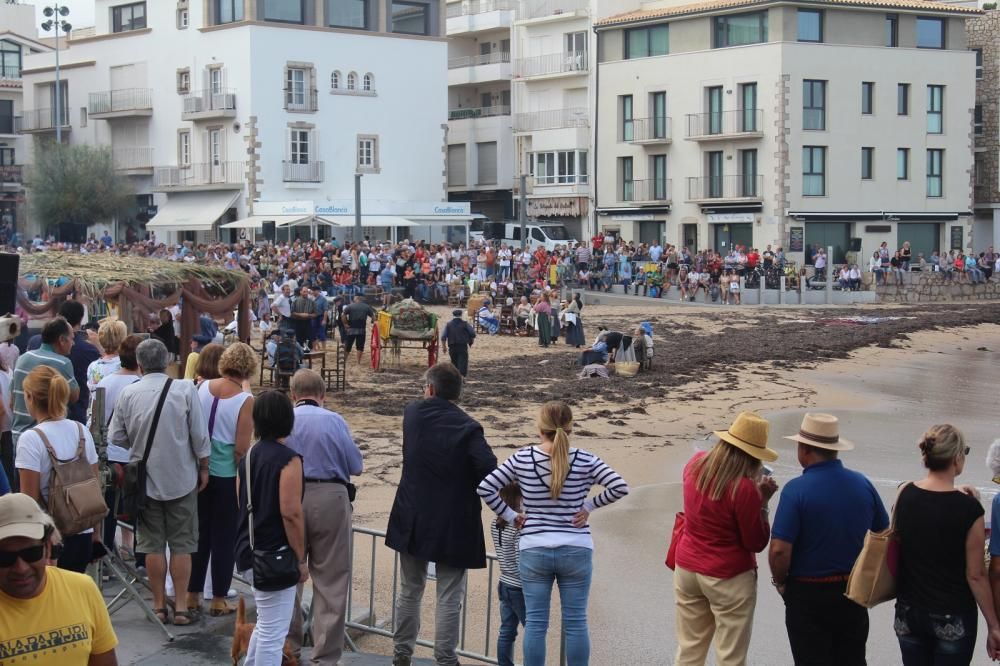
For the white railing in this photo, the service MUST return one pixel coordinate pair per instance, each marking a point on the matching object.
(552, 119)
(200, 101)
(125, 99)
(553, 63)
(470, 7)
(481, 112)
(529, 9)
(312, 172)
(133, 157)
(201, 174)
(494, 58)
(35, 120)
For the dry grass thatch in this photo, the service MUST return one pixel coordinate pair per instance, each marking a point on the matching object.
(95, 272)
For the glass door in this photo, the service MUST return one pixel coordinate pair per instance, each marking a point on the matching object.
(576, 50)
(659, 115)
(659, 169)
(714, 185)
(748, 101)
(217, 166)
(715, 110)
(748, 173)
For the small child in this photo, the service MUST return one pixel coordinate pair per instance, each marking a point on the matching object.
(505, 540)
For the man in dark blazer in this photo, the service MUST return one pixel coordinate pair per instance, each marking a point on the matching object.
(437, 515)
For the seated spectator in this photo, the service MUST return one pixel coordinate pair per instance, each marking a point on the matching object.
(598, 353)
(488, 319)
(844, 278)
(972, 269)
(734, 287)
(522, 313)
(583, 278)
(946, 266)
(855, 277)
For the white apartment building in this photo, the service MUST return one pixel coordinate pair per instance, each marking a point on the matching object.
(795, 124)
(17, 40)
(231, 113)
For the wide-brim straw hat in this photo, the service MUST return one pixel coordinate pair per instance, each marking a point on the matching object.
(749, 433)
(823, 432)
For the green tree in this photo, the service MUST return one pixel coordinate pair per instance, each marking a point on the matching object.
(72, 187)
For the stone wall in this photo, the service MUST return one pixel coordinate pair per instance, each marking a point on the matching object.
(983, 32)
(933, 288)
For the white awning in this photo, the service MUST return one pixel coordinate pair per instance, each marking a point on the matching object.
(257, 221)
(457, 220)
(192, 211)
(367, 221)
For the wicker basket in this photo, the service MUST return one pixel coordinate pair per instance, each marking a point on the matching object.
(627, 368)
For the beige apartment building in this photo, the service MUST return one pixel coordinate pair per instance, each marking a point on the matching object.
(839, 123)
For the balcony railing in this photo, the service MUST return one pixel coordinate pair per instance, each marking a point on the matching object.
(494, 58)
(10, 124)
(311, 172)
(132, 158)
(709, 188)
(645, 130)
(42, 120)
(552, 119)
(120, 101)
(470, 7)
(481, 112)
(529, 9)
(11, 174)
(209, 104)
(202, 175)
(723, 124)
(10, 71)
(653, 189)
(302, 100)
(553, 63)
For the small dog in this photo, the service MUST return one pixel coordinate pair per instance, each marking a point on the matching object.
(241, 639)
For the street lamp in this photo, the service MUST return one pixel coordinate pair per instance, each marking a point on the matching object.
(55, 22)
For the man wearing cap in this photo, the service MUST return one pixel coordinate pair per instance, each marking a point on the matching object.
(458, 336)
(818, 532)
(49, 617)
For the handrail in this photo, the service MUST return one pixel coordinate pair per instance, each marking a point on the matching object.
(492, 58)
(481, 112)
(122, 99)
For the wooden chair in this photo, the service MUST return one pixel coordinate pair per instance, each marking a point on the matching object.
(456, 295)
(266, 368)
(508, 324)
(336, 377)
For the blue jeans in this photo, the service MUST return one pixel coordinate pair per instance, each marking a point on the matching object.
(511, 614)
(935, 639)
(571, 568)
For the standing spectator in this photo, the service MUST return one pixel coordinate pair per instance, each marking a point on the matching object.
(942, 574)
(109, 336)
(506, 539)
(303, 313)
(820, 264)
(81, 356)
(436, 516)
(56, 343)
(905, 256)
(329, 459)
(555, 544)
(177, 469)
(726, 523)
(274, 472)
(819, 530)
(6, 440)
(355, 319)
(281, 307)
(456, 339)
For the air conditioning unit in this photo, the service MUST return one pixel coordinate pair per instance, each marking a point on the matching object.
(193, 104)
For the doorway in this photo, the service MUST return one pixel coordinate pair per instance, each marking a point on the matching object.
(728, 236)
(650, 230)
(689, 237)
(924, 237)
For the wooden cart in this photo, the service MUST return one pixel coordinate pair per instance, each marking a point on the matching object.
(389, 343)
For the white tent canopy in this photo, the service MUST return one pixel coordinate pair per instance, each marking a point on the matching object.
(367, 221)
(192, 211)
(257, 221)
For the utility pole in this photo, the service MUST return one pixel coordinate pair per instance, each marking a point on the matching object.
(522, 209)
(57, 24)
(357, 207)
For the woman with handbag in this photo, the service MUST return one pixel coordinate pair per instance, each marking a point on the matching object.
(942, 573)
(726, 492)
(270, 545)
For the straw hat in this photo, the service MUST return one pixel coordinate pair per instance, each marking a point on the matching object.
(749, 434)
(823, 432)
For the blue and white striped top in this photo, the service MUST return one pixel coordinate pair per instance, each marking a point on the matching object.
(549, 521)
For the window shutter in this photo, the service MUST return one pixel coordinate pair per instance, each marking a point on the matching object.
(288, 144)
(313, 145)
(487, 167)
(456, 164)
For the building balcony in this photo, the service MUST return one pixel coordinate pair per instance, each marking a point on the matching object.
(551, 119)
(479, 15)
(209, 105)
(720, 189)
(473, 7)
(124, 103)
(467, 70)
(311, 172)
(302, 101)
(568, 63)
(551, 9)
(481, 112)
(653, 190)
(568, 185)
(645, 131)
(10, 76)
(10, 125)
(11, 177)
(202, 176)
(36, 121)
(133, 160)
(725, 125)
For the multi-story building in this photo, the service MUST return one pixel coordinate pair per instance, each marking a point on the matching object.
(842, 122)
(984, 40)
(238, 112)
(18, 38)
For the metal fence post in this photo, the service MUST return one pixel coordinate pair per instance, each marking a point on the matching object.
(781, 290)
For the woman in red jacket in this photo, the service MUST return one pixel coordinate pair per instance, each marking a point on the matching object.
(726, 493)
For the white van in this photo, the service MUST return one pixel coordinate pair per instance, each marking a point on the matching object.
(545, 235)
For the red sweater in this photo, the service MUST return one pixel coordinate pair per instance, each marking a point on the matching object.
(721, 537)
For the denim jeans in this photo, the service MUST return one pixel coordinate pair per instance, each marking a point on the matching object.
(935, 639)
(571, 568)
(511, 614)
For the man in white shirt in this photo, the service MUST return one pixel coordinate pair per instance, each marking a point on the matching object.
(855, 278)
(282, 307)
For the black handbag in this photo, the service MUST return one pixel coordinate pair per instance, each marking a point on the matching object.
(273, 570)
(134, 499)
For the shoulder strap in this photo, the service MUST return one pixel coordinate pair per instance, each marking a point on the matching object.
(156, 420)
(211, 416)
(892, 516)
(249, 496)
(82, 444)
(112, 414)
(46, 444)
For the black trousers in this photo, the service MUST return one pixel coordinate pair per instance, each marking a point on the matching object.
(218, 516)
(7, 460)
(825, 628)
(460, 357)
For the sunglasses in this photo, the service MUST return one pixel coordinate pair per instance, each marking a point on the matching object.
(29, 555)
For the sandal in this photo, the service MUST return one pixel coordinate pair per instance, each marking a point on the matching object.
(184, 618)
(161, 615)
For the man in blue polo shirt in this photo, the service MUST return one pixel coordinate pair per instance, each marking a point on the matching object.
(818, 532)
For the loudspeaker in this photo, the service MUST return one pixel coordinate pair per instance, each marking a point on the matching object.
(9, 264)
(269, 232)
(855, 245)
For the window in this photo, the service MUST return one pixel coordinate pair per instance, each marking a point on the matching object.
(128, 17)
(814, 171)
(183, 81)
(748, 173)
(486, 156)
(658, 169)
(561, 167)
(216, 78)
(10, 60)
(286, 11)
(456, 165)
(714, 168)
(714, 103)
(903, 99)
(228, 11)
(902, 164)
(183, 19)
(979, 170)
(347, 13)
(335, 79)
(368, 83)
(739, 29)
(892, 30)
(410, 18)
(352, 81)
(658, 104)
(813, 105)
(367, 153)
(184, 148)
(867, 163)
(6, 116)
(867, 98)
(935, 164)
(646, 42)
(748, 104)
(935, 109)
(627, 122)
(979, 63)
(7, 157)
(930, 33)
(295, 88)
(977, 120)
(810, 25)
(298, 146)
(626, 182)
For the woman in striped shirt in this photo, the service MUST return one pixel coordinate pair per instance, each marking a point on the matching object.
(555, 541)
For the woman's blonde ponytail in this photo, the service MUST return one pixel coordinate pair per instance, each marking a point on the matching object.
(555, 422)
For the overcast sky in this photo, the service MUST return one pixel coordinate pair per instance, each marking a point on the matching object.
(81, 12)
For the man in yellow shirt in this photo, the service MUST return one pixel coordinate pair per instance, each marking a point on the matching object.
(48, 616)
